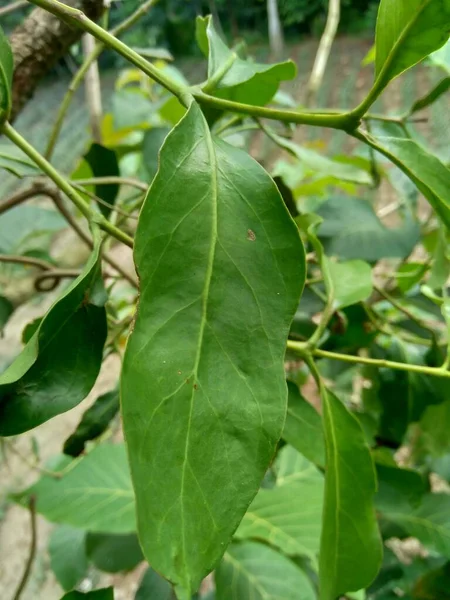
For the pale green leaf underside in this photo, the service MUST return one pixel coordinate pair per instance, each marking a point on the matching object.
(351, 280)
(351, 551)
(407, 31)
(253, 571)
(221, 267)
(290, 466)
(95, 495)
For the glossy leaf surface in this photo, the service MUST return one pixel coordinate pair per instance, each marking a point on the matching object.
(303, 427)
(6, 73)
(252, 570)
(203, 382)
(242, 80)
(407, 31)
(351, 551)
(93, 423)
(68, 556)
(60, 363)
(95, 495)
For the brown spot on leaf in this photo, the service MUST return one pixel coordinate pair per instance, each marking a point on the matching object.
(195, 386)
(251, 235)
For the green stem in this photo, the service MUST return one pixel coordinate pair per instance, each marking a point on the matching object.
(301, 348)
(64, 185)
(73, 16)
(217, 77)
(81, 73)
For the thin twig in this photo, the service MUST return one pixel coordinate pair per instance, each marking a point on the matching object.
(33, 542)
(12, 7)
(28, 261)
(109, 180)
(18, 198)
(111, 207)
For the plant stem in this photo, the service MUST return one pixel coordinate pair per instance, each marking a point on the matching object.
(64, 186)
(82, 71)
(28, 261)
(217, 77)
(20, 197)
(140, 185)
(73, 16)
(32, 554)
(301, 348)
(5, 10)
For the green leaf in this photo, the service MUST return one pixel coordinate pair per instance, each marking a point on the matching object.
(429, 523)
(215, 230)
(440, 88)
(352, 282)
(6, 74)
(59, 365)
(104, 163)
(430, 175)
(244, 81)
(303, 427)
(291, 466)
(94, 422)
(441, 57)
(151, 145)
(252, 570)
(410, 274)
(277, 517)
(153, 587)
(68, 556)
(350, 551)
(113, 553)
(319, 163)
(103, 594)
(95, 495)
(352, 230)
(434, 584)
(22, 225)
(16, 162)
(435, 428)
(407, 31)
(6, 310)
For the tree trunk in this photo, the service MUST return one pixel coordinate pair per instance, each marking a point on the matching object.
(38, 43)
(275, 31)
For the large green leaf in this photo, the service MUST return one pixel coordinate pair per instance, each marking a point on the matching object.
(351, 229)
(407, 31)
(93, 423)
(244, 81)
(60, 363)
(252, 570)
(221, 267)
(67, 555)
(350, 550)
(288, 517)
(95, 495)
(104, 163)
(153, 587)
(6, 73)
(303, 427)
(429, 522)
(430, 175)
(103, 594)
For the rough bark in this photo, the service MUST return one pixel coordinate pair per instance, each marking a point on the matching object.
(39, 43)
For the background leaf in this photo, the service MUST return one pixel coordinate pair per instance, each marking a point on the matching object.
(68, 555)
(154, 587)
(6, 73)
(104, 163)
(350, 551)
(21, 227)
(95, 495)
(103, 594)
(113, 553)
(252, 570)
(407, 31)
(352, 282)
(59, 365)
(211, 206)
(303, 427)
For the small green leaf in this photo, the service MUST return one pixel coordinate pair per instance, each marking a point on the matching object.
(242, 80)
(104, 163)
(410, 274)
(350, 550)
(440, 270)
(6, 74)
(430, 175)
(153, 587)
(95, 495)
(103, 594)
(440, 88)
(352, 230)
(59, 365)
(303, 427)
(94, 422)
(113, 553)
(68, 556)
(6, 310)
(215, 229)
(278, 518)
(153, 140)
(407, 31)
(252, 570)
(352, 282)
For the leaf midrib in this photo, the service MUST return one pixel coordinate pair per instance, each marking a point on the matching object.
(205, 298)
